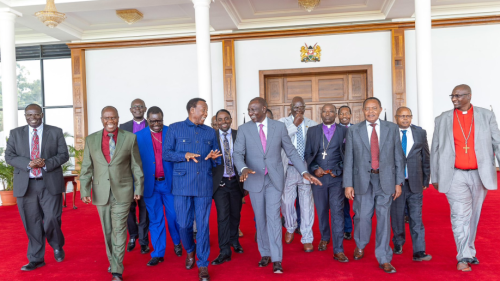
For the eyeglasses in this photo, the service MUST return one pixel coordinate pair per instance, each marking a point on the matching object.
(404, 116)
(458, 96)
(109, 118)
(155, 121)
(138, 107)
(37, 115)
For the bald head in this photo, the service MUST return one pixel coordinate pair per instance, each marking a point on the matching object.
(463, 88)
(298, 106)
(398, 111)
(137, 101)
(109, 108)
(260, 100)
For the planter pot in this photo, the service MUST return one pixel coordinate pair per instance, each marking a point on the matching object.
(8, 198)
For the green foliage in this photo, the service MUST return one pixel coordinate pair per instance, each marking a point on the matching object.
(78, 154)
(7, 175)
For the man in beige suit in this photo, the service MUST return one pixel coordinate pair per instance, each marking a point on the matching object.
(111, 167)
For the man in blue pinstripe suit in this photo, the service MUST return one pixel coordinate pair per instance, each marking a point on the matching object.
(193, 149)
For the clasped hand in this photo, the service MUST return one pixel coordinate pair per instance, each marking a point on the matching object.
(37, 163)
(320, 172)
(212, 155)
(246, 172)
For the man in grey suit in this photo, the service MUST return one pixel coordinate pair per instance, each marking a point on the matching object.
(257, 157)
(373, 175)
(465, 142)
(297, 126)
(37, 152)
(417, 176)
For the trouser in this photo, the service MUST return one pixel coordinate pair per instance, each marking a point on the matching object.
(466, 197)
(329, 199)
(347, 216)
(138, 230)
(162, 198)
(293, 181)
(41, 215)
(228, 204)
(113, 217)
(374, 200)
(266, 206)
(417, 231)
(185, 209)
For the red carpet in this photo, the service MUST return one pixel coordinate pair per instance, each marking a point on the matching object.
(86, 256)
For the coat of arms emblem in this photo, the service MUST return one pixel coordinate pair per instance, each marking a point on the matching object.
(310, 53)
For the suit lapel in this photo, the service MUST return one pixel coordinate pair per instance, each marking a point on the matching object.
(98, 145)
(254, 133)
(119, 143)
(384, 130)
(416, 140)
(449, 128)
(476, 116)
(44, 143)
(364, 135)
(26, 140)
(270, 134)
(151, 147)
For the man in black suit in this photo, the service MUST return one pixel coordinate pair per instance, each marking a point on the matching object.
(228, 190)
(324, 156)
(345, 121)
(137, 230)
(36, 152)
(417, 175)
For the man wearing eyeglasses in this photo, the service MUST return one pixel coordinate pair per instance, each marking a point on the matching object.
(297, 126)
(37, 152)
(417, 176)
(465, 142)
(158, 186)
(137, 230)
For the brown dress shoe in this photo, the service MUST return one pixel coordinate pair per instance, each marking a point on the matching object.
(388, 268)
(463, 266)
(359, 253)
(264, 261)
(190, 259)
(203, 273)
(288, 237)
(322, 245)
(340, 257)
(308, 247)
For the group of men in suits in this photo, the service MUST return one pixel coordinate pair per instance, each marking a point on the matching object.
(178, 170)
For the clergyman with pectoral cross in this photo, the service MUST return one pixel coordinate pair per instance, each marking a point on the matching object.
(466, 170)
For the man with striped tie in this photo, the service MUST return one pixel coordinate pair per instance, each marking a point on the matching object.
(36, 152)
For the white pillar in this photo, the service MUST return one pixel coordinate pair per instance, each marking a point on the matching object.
(202, 18)
(424, 66)
(9, 79)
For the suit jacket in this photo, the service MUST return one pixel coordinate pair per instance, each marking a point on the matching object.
(292, 133)
(248, 152)
(129, 126)
(418, 161)
(53, 150)
(486, 146)
(218, 171)
(357, 160)
(314, 143)
(120, 175)
(146, 150)
(191, 178)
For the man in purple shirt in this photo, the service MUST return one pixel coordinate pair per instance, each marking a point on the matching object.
(137, 230)
(324, 156)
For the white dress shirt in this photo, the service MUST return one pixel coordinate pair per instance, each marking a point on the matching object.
(39, 132)
(409, 143)
(369, 128)
(263, 128)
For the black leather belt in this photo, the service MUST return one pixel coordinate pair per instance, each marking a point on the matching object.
(466, 169)
(229, 178)
(374, 171)
(406, 180)
(290, 164)
(37, 179)
(160, 179)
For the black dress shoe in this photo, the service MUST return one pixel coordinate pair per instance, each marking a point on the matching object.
(264, 261)
(297, 231)
(277, 267)
(398, 249)
(32, 266)
(117, 277)
(154, 261)
(194, 235)
(131, 244)
(347, 236)
(283, 221)
(421, 256)
(178, 250)
(59, 255)
(221, 259)
(474, 260)
(238, 249)
(144, 249)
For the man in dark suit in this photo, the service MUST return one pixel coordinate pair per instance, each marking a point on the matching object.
(137, 230)
(417, 176)
(324, 155)
(228, 190)
(345, 121)
(193, 148)
(373, 175)
(36, 152)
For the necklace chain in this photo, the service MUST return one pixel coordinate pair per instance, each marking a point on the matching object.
(156, 138)
(470, 130)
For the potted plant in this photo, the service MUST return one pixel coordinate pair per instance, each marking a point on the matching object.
(7, 178)
(78, 156)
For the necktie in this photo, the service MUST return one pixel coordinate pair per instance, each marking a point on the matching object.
(300, 142)
(263, 141)
(112, 146)
(404, 143)
(35, 152)
(374, 147)
(228, 163)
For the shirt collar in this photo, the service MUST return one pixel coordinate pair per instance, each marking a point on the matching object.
(468, 111)
(139, 123)
(38, 130)
(376, 122)
(407, 129)
(331, 126)
(105, 133)
(221, 133)
(263, 122)
(189, 123)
